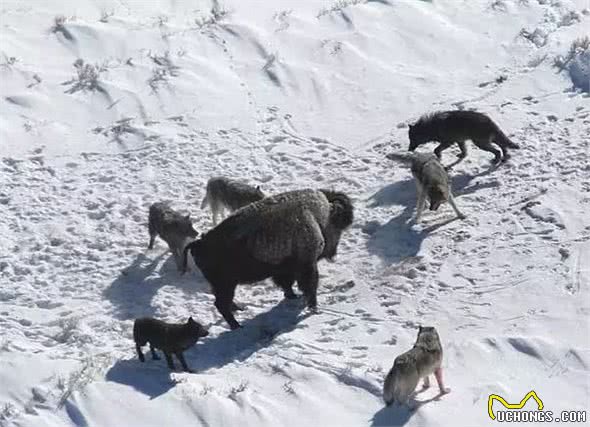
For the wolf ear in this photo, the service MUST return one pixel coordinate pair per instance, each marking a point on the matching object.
(411, 127)
(190, 320)
(258, 187)
(187, 217)
(420, 329)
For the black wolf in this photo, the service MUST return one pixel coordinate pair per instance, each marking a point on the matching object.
(168, 337)
(449, 127)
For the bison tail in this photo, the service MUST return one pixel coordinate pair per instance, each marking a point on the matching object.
(205, 201)
(136, 334)
(341, 209)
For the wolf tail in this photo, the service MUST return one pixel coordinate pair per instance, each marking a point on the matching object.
(341, 209)
(402, 157)
(501, 139)
(389, 388)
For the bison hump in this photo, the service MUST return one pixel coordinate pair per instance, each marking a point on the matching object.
(298, 237)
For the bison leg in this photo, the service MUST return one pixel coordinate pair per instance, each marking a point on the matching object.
(307, 280)
(285, 282)
(153, 234)
(224, 296)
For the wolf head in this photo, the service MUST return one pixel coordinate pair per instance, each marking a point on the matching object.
(426, 329)
(428, 336)
(437, 195)
(427, 333)
(417, 135)
(196, 329)
(184, 225)
(415, 138)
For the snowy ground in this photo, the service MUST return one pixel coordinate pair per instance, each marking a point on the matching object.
(289, 94)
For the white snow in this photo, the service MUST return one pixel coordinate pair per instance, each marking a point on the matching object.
(288, 94)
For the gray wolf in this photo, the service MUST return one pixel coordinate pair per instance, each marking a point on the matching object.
(449, 127)
(423, 359)
(281, 236)
(175, 229)
(224, 193)
(168, 337)
(432, 182)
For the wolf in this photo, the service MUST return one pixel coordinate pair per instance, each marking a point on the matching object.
(458, 126)
(168, 337)
(423, 359)
(175, 229)
(432, 182)
(282, 236)
(224, 193)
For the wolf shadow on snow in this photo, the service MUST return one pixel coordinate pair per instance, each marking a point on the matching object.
(397, 239)
(153, 377)
(397, 415)
(131, 293)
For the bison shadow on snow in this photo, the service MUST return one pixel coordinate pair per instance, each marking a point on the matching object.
(398, 239)
(131, 293)
(153, 378)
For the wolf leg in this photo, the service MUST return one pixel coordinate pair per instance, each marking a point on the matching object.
(454, 206)
(404, 391)
(154, 354)
(421, 202)
(180, 357)
(487, 146)
(426, 383)
(236, 307)
(439, 379)
(224, 295)
(505, 155)
(441, 147)
(463, 148)
(177, 258)
(139, 353)
(169, 360)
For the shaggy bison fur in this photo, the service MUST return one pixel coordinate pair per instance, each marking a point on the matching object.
(281, 237)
